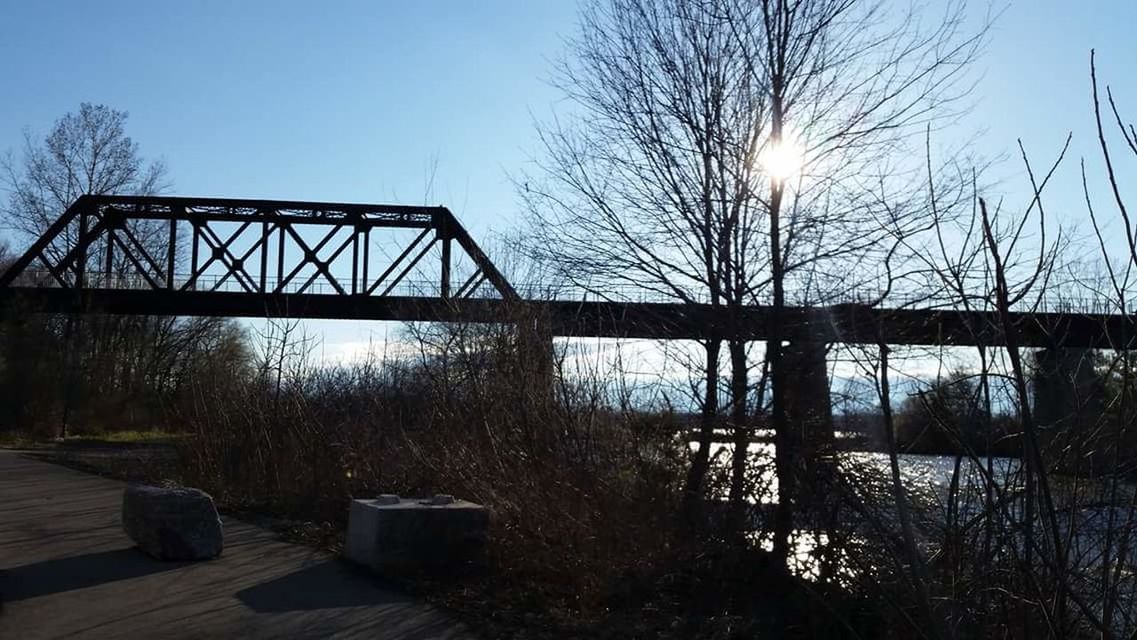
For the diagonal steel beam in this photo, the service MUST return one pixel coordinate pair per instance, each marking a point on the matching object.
(458, 232)
(213, 241)
(21, 264)
(311, 255)
(394, 263)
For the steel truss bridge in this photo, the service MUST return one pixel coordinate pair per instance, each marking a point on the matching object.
(263, 258)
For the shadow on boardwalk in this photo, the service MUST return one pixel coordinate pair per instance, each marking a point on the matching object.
(60, 575)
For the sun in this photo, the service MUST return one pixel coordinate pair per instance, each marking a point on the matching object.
(782, 159)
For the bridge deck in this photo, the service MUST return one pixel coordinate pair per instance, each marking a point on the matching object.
(266, 258)
(841, 323)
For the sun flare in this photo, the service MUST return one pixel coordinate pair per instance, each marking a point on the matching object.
(782, 159)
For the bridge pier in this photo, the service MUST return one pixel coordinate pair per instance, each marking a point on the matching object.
(536, 351)
(1067, 390)
(1069, 401)
(809, 411)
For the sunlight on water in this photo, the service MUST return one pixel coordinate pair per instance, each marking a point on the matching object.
(806, 552)
(929, 476)
(917, 471)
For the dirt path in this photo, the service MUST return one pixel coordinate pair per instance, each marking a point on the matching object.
(67, 569)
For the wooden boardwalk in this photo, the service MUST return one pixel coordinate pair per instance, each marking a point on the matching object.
(67, 570)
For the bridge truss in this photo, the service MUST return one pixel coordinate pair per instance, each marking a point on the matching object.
(209, 256)
(264, 258)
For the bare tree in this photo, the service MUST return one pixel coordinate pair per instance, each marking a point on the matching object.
(1047, 532)
(650, 187)
(89, 152)
(86, 152)
(850, 86)
(725, 151)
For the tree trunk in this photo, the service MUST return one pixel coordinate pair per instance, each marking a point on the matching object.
(696, 475)
(784, 445)
(739, 384)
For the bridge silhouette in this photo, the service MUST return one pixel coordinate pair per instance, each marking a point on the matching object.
(266, 258)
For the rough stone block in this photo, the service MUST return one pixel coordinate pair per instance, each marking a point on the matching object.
(389, 534)
(172, 523)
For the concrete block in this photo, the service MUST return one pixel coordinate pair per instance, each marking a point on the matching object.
(391, 534)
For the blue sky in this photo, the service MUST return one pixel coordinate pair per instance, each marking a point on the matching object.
(344, 101)
(354, 101)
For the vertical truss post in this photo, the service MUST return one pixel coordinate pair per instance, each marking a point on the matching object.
(366, 258)
(355, 257)
(445, 268)
(280, 256)
(265, 236)
(193, 253)
(172, 251)
(81, 254)
(443, 234)
(108, 268)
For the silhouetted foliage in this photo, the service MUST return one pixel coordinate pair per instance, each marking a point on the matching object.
(90, 373)
(949, 418)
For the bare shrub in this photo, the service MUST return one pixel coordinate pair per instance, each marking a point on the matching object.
(582, 491)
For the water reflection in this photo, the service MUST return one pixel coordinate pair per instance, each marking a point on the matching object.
(919, 473)
(926, 479)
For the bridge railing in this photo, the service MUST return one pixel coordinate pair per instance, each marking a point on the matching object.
(227, 283)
